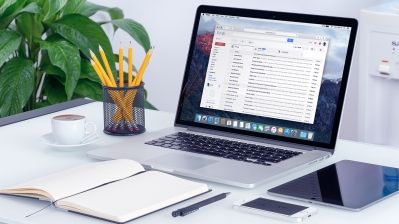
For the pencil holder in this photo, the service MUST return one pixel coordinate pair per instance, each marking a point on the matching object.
(124, 110)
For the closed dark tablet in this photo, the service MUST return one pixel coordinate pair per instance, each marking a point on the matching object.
(345, 184)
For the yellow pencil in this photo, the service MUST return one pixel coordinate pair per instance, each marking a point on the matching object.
(142, 69)
(116, 97)
(121, 81)
(130, 66)
(100, 72)
(106, 64)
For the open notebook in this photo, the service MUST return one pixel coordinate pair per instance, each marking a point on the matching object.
(116, 190)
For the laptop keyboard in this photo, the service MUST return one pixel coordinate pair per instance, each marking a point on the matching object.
(240, 151)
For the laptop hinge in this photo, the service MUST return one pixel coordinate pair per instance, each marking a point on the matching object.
(257, 139)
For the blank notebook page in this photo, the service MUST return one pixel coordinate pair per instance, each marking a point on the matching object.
(81, 178)
(133, 197)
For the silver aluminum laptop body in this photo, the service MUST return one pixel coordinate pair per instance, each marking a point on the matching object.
(217, 169)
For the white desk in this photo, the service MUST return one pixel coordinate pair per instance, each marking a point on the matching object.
(23, 157)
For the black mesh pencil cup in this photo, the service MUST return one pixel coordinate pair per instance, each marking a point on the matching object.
(124, 110)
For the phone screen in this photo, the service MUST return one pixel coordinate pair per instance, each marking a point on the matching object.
(274, 206)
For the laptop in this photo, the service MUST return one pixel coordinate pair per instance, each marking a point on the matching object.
(262, 95)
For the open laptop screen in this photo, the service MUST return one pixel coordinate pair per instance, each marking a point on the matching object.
(272, 77)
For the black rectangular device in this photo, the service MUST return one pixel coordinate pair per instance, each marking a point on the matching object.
(274, 206)
(345, 184)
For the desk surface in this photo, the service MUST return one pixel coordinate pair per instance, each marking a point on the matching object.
(24, 157)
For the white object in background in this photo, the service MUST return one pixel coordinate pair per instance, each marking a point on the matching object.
(72, 129)
(48, 139)
(379, 74)
(384, 67)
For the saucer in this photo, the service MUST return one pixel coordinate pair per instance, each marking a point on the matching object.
(48, 139)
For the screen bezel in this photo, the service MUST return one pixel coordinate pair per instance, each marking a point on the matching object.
(281, 16)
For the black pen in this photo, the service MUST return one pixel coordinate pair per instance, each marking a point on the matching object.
(194, 207)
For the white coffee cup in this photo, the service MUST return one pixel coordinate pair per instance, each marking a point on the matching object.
(72, 129)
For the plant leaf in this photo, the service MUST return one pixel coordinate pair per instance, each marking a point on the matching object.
(65, 56)
(148, 105)
(135, 30)
(82, 7)
(41, 104)
(90, 89)
(52, 7)
(73, 6)
(50, 69)
(29, 26)
(52, 88)
(16, 9)
(9, 43)
(10, 8)
(115, 13)
(16, 85)
(85, 34)
(88, 9)
(4, 6)
(87, 72)
(32, 7)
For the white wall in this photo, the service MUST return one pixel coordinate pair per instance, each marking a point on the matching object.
(169, 23)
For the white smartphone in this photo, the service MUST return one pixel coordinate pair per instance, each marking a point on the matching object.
(275, 209)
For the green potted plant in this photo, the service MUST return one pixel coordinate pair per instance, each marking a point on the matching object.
(44, 51)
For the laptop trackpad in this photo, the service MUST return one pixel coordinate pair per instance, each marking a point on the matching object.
(180, 161)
